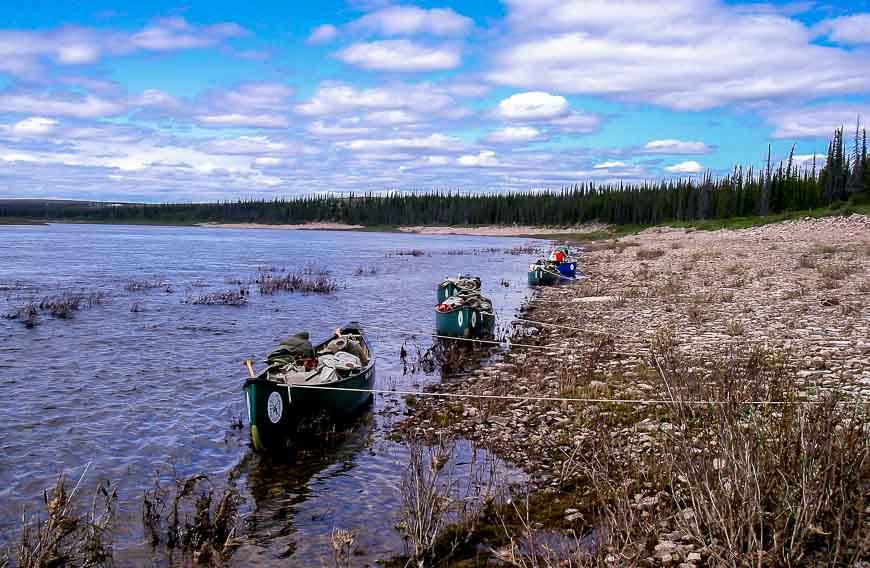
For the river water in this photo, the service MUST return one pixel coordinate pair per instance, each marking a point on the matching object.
(127, 392)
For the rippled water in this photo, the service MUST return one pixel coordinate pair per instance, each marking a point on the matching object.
(131, 393)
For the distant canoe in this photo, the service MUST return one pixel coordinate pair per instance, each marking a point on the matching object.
(465, 321)
(277, 410)
(567, 268)
(545, 275)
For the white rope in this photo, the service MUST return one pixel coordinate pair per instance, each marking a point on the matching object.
(570, 399)
(485, 341)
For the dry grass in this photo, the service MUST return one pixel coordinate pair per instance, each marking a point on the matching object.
(227, 298)
(781, 484)
(837, 271)
(64, 537)
(320, 283)
(432, 500)
(192, 515)
(60, 306)
(142, 285)
(649, 254)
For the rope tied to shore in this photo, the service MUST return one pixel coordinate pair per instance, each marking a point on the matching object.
(577, 399)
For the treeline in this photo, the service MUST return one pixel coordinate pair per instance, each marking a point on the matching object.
(788, 186)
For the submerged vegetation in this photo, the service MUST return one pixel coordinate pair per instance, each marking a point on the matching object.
(843, 176)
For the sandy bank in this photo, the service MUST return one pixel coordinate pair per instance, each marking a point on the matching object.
(489, 231)
(503, 231)
(289, 227)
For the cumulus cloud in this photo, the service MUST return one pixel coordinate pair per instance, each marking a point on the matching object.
(542, 107)
(431, 142)
(334, 98)
(690, 167)
(391, 117)
(410, 20)
(687, 54)
(322, 34)
(342, 128)
(250, 105)
(484, 158)
(174, 33)
(609, 165)
(514, 134)
(533, 105)
(23, 53)
(241, 120)
(816, 121)
(400, 55)
(33, 126)
(673, 146)
(57, 103)
(853, 29)
(245, 145)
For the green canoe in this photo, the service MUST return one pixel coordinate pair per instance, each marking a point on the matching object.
(277, 410)
(464, 321)
(542, 275)
(453, 285)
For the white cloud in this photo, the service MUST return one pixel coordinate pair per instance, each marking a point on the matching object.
(33, 126)
(343, 128)
(400, 55)
(532, 105)
(271, 96)
(268, 161)
(853, 29)
(514, 134)
(245, 145)
(17, 156)
(808, 159)
(673, 146)
(22, 53)
(410, 20)
(686, 54)
(391, 117)
(331, 98)
(816, 121)
(322, 34)
(609, 165)
(577, 123)
(690, 167)
(250, 105)
(240, 120)
(174, 33)
(484, 158)
(431, 142)
(59, 104)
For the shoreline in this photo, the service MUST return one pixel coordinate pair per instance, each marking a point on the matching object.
(483, 231)
(793, 294)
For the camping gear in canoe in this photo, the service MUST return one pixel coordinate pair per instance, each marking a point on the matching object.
(280, 406)
(452, 285)
(564, 263)
(466, 314)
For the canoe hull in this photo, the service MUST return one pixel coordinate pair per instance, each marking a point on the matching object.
(568, 269)
(464, 322)
(277, 412)
(541, 277)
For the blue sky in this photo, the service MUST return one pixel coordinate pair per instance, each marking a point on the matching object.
(164, 101)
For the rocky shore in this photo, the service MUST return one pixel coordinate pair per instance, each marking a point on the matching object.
(799, 290)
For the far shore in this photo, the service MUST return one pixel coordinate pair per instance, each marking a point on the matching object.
(482, 231)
